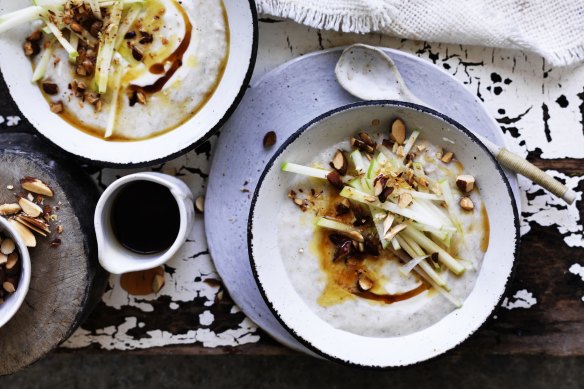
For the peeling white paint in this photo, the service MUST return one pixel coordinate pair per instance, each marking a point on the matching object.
(578, 270)
(547, 210)
(523, 299)
(120, 340)
(517, 101)
(206, 318)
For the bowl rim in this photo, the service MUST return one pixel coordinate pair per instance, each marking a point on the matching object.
(212, 131)
(309, 125)
(26, 272)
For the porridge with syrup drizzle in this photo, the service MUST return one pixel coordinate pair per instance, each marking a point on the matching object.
(166, 59)
(385, 238)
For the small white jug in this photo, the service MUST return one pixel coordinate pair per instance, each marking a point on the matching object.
(117, 259)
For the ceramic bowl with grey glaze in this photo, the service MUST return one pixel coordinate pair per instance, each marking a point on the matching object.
(335, 344)
(17, 72)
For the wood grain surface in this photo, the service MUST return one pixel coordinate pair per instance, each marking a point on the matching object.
(66, 281)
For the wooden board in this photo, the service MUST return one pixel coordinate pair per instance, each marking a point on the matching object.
(66, 281)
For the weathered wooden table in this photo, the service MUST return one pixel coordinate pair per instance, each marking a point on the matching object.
(540, 111)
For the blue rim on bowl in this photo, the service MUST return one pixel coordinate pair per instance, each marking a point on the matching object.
(496, 295)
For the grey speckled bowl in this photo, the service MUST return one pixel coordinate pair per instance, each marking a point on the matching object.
(342, 346)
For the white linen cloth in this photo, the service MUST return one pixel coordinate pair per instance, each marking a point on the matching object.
(553, 29)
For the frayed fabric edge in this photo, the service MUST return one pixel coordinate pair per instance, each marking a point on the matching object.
(361, 24)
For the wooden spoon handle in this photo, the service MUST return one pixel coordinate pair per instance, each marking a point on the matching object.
(535, 174)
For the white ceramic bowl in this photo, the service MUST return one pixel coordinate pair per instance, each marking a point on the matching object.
(332, 343)
(17, 72)
(12, 303)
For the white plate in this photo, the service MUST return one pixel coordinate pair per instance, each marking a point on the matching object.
(284, 100)
(339, 345)
(17, 72)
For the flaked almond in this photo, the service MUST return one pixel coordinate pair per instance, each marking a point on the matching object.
(12, 261)
(398, 131)
(9, 209)
(353, 235)
(370, 199)
(394, 231)
(421, 147)
(35, 224)
(387, 191)
(359, 144)
(24, 232)
(335, 179)
(387, 223)
(447, 157)
(340, 162)
(365, 137)
(405, 199)
(200, 204)
(379, 184)
(57, 107)
(365, 283)
(60, 229)
(30, 208)
(8, 246)
(466, 204)
(9, 287)
(465, 182)
(157, 283)
(37, 186)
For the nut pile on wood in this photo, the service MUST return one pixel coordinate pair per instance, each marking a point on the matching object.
(9, 266)
(29, 214)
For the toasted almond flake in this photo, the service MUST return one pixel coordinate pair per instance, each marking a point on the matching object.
(35, 185)
(157, 283)
(466, 204)
(200, 204)
(60, 229)
(398, 131)
(30, 226)
(8, 246)
(9, 287)
(394, 231)
(30, 208)
(371, 199)
(24, 232)
(387, 224)
(365, 283)
(36, 223)
(340, 162)
(465, 182)
(9, 209)
(421, 147)
(12, 261)
(353, 235)
(405, 199)
(447, 157)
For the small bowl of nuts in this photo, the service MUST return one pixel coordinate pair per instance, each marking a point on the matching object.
(15, 271)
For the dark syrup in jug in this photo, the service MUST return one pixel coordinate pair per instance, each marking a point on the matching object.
(145, 217)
